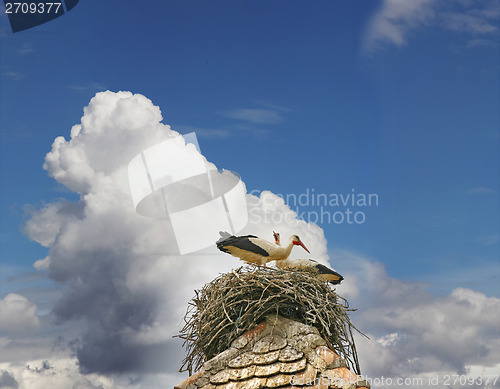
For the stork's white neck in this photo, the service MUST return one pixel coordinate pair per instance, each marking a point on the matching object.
(289, 247)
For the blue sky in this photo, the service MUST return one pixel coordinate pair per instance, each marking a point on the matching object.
(381, 97)
(416, 124)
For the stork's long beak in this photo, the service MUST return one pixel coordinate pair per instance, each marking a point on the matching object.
(304, 247)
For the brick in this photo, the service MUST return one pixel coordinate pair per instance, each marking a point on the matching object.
(244, 339)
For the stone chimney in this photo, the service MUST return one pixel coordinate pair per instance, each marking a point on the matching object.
(277, 353)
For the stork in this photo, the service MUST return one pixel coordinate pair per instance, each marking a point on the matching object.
(254, 250)
(321, 271)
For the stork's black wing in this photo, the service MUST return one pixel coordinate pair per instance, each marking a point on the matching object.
(328, 274)
(241, 242)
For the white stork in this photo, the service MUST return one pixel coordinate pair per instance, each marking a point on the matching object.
(254, 250)
(321, 271)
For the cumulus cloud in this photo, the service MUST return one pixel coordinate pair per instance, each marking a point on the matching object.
(45, 224)
(122, 277)
(17, 314)
(7, 381)
(56, 374)
(414, 334)
(396, 20)
(63, 373)
(121, 272)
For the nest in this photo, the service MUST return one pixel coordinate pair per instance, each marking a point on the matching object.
(235, 302)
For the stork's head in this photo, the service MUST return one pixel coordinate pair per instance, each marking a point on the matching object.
(296, 241)
(276, 238)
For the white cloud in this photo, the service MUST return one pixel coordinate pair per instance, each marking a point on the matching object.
(480, 190)
(7, 381)
(468, 23)
(13, 75)
(254, 115)
(216, 133)
(121, 271)
(474, 43)
(414, 334)
(478, 18)
(488, 239)
(396, 20)
(26, 48)
(242, 130)
(58, 374)
(87, 86)
(63, 373)
(17, 314)
(42, 264)
(46, 223)
(122, 278)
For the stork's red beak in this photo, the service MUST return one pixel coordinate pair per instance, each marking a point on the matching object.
(303, 246)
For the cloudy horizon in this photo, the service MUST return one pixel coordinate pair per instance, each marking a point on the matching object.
(370, 130)
(121, 299)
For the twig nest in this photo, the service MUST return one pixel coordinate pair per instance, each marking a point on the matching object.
(235, 302)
